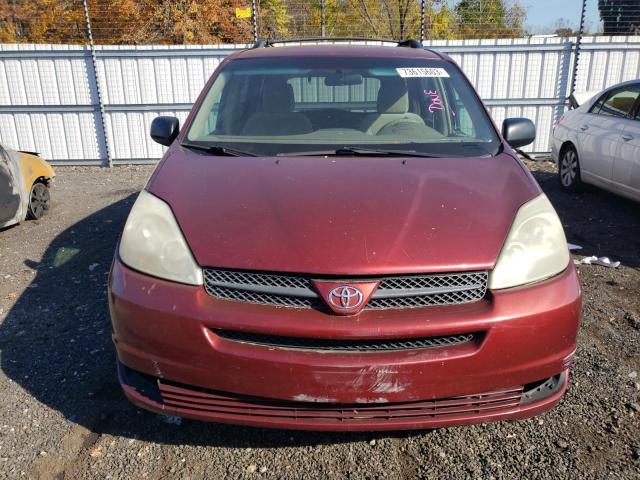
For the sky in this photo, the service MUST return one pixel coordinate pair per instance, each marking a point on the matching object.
(543, 14)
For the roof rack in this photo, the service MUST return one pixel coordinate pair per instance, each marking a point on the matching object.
(409, 43)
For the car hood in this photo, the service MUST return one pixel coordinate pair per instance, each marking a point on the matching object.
(343, 215)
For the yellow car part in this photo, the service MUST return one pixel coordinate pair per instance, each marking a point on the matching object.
(34, 169)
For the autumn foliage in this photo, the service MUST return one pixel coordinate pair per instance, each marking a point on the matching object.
(215, 21)
(41, 21)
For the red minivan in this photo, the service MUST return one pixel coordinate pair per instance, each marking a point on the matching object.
(339, 238)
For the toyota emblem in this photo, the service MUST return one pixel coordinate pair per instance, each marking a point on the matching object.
(345, 297)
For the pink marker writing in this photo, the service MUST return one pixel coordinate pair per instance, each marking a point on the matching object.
(436, 101)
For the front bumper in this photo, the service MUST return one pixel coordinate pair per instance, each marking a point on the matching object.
(164, 331)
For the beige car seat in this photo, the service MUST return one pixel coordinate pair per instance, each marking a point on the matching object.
(393, 108)
(277, 116)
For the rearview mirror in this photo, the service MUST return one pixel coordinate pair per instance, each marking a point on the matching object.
(164, 130)
(343, 79)
(518, 132)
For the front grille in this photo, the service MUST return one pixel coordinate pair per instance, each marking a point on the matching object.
(194, 400)
(449, 298)
(289, 290)
(262, 298)
(238, 278)
(373, 345)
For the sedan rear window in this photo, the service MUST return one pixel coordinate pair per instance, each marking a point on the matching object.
(272, 106)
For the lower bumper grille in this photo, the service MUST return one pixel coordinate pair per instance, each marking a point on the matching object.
(369, 345)
(193, 400)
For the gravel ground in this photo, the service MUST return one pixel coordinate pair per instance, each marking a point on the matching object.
(62, 414)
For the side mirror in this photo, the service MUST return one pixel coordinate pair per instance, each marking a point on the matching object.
(164, 130)
(518, 132)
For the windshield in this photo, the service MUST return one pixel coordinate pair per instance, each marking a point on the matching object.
(315, 105)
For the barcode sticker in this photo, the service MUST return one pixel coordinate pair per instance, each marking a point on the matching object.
(422, 72)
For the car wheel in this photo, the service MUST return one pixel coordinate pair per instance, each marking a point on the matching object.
(569, 170)
(39, 201)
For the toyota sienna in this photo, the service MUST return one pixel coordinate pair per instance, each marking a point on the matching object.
(339, 238)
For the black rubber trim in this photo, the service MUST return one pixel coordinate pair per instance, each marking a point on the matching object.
(333, 345)
(144, 384)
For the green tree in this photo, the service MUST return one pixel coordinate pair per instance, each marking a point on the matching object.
(393, 19)
(489, 19)
(273, 19)
(516, 16)
(337, 18)
(439, 21)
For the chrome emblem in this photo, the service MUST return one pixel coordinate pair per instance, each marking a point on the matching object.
(345, 297)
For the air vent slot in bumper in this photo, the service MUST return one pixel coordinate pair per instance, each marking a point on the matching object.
(343, 345)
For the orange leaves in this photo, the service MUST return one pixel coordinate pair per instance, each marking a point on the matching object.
(124, 21)
(215, 21)
(44, 21)
(170, 22)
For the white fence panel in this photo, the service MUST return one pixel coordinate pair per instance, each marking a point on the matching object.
(47, 102)
(49, 97)
(140, 83)
(605, 61)
(518, 77)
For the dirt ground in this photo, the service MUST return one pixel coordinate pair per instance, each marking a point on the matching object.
(62, 414)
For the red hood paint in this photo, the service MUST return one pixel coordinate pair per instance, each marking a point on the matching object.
(343, 215)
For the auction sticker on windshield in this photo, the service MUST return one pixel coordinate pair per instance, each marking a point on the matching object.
(422, 72)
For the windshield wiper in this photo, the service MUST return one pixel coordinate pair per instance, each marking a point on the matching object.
(355, 151)
(219, 150)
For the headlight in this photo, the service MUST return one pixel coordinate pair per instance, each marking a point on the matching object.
(153, 243)
(535, 249)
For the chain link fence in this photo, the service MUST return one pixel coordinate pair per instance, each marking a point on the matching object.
(43, 21)
(179, 22)
(135, 59)
(392, 19)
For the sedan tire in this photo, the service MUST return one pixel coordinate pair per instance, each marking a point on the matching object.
(39, 201)
(569, 170)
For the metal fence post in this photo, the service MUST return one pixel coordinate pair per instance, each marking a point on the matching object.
(94, 64)
(576, 60)
(422, 19)
(254, 20)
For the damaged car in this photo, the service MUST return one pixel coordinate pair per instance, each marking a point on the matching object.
(25, 181)
(340, 238)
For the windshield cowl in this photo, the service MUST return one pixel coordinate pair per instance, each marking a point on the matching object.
(354, 151)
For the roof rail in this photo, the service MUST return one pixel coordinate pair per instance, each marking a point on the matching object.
(408, 43)
(268, 43)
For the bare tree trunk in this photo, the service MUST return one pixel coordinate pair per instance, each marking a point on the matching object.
(366, 15)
